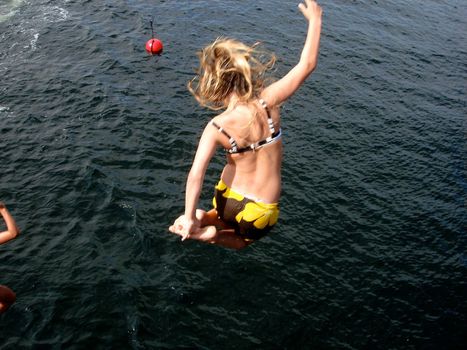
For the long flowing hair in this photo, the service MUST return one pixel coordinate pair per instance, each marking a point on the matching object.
(228, 66)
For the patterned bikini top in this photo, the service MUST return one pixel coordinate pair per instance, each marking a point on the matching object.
(275, 135)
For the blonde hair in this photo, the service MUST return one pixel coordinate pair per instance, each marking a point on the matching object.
(228, 66)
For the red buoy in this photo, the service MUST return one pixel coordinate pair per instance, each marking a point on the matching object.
(154, 46)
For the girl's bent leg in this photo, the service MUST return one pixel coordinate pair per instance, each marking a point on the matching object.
(213, 230)
(228, 239)
(223, 238)
(208, 218)
(205, 234)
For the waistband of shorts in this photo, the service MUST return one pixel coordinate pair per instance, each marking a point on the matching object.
(222, 186)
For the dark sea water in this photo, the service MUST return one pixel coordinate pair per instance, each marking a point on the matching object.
(97, 137)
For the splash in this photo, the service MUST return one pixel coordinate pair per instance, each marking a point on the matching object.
(8, 8)
(52, 14)
(5, 112)
(29, 22)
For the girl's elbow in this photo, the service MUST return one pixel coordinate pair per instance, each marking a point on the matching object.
(308, 67)
(311, 66)
(14, 233)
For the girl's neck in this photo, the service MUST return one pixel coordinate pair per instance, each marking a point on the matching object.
(232, 101)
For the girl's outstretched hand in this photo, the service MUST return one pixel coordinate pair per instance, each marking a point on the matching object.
(310, 9)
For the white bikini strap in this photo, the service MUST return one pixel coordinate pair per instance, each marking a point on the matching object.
(270, 122)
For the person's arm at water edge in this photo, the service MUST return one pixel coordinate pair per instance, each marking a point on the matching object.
(12, 229)
(7, 296)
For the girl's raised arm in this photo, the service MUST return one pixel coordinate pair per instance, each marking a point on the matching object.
(281, 90)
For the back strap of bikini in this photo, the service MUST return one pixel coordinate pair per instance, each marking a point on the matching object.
(270, 122)
(259, 144)
(232, 141)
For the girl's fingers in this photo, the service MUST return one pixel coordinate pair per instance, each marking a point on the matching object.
(301, 7)
(309, 9)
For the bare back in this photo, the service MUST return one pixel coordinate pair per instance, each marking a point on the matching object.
(255, 173)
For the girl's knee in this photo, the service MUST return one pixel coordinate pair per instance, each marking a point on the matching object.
(208, 233)
(207, 218)
(200, 214)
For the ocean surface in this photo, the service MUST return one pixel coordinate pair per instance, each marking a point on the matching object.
(97, 137)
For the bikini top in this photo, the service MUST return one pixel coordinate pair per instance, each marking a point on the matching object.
(275, 135)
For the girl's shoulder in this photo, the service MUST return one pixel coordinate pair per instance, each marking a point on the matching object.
(222, 118)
